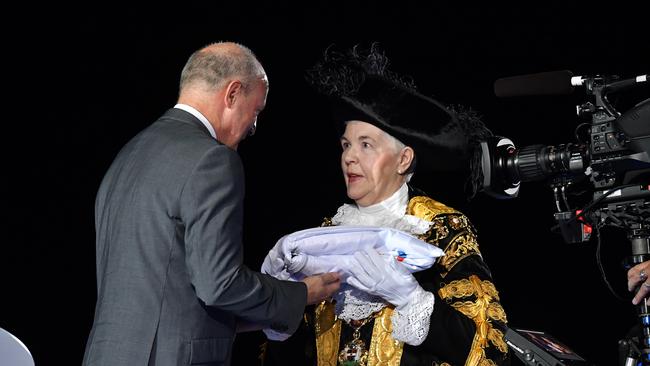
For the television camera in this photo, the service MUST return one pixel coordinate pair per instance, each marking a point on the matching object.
(612, 160)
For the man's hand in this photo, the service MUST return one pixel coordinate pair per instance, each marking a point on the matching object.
(320, 287)
(637, 280)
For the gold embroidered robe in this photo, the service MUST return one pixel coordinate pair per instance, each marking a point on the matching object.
(466, 324)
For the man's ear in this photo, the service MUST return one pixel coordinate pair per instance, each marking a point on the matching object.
(406, 158)
(233, 91)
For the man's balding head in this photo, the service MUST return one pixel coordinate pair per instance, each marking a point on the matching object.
(213, 66)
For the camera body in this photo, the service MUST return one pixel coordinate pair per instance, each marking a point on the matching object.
(612, 160)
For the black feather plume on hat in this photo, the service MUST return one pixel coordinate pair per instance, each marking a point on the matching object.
(342, 74)
(362, 87)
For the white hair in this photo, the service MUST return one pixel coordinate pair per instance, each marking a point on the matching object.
(399, 145)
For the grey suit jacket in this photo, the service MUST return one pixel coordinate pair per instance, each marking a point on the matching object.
(170, 278)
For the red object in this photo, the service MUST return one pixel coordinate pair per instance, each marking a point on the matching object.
(586, 228)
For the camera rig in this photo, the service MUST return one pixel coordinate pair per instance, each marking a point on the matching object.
(611, 165)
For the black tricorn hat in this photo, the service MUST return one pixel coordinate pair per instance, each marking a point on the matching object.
(362, 87)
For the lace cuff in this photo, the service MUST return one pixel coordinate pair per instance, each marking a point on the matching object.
(411, 321)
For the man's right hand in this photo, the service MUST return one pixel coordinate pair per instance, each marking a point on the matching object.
(320, 287)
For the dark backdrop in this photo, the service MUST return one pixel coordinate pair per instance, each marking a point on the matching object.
(82, 81)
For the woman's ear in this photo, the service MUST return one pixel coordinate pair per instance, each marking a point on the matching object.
(405, 159)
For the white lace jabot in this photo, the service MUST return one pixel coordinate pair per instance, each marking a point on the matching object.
(352, 304)
(389, 213)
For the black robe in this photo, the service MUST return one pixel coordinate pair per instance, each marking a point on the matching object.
(467, 322)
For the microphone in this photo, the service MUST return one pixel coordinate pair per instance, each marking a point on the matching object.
(543, 83)
(626, 84)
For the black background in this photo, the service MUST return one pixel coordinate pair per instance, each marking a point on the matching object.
(81, 82)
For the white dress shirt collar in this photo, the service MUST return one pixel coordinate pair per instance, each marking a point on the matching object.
(197, 114)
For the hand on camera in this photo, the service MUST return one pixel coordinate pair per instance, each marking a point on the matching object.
(637, 276)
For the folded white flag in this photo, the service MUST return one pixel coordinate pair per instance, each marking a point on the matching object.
(330, 249)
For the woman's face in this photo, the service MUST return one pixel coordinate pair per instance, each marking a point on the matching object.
(370, 163)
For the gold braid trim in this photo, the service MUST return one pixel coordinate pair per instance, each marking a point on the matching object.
(437, 232)
(262, 355)
(427, 208)
(495, 311)
(479, 311)
(461, 246)
(497, 339)
(325, 317)
(328, 334)
(384, 350)
(487, 362)
(465, 288)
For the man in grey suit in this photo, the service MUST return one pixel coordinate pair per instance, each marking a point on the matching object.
(171, 286)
